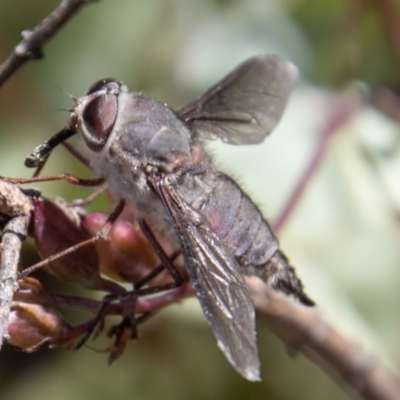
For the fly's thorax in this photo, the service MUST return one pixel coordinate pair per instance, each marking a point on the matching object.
(109, 118)
(126, 136)
(153, 134)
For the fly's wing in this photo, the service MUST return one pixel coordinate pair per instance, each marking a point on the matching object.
(220, 288)
(245, 106)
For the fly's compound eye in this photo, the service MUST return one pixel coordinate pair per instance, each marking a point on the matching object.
(100, 113)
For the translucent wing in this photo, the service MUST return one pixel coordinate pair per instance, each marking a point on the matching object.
(220, 288)
(245, 106)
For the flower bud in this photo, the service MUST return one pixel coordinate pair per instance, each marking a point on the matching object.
(31, 326)
(127, 256)
(55, 232)
(30, 291)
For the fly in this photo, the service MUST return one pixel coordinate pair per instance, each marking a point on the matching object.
(152, 158)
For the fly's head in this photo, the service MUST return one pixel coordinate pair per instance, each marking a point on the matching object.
(96, 112)
(130, 131)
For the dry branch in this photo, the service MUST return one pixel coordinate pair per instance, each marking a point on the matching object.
(30, 47)
(303, 329)
(15, 210)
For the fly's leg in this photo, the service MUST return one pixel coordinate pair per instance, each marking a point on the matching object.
(156, 271)
(103, 233)
(162, 255)
(98, 320)
(61, 177)
(74, 152)
(89, 199)
(128, 319)
(166, 262)
(37, 159)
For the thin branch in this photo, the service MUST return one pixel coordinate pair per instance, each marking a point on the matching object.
(30, 47)
(336, 121)
(15, 210)
(303, 329)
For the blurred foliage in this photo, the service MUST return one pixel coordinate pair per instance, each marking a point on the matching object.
(352, 40)
(344, 236)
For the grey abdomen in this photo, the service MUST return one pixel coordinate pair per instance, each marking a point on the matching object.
(239, 224)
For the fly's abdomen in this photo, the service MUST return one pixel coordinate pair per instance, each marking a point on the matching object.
(239, 223)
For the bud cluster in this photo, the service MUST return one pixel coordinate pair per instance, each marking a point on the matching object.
(110, 265)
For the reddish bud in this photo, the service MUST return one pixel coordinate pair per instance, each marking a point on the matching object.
(128, 256)
(30, 284)
(54, 232)
(30, 291)
(31, 326)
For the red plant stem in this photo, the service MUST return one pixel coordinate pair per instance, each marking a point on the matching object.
(143, 304)
(337, 120)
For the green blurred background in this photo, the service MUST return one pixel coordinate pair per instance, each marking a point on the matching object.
(344, 235)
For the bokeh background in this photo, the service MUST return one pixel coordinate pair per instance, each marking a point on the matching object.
(343, 236)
